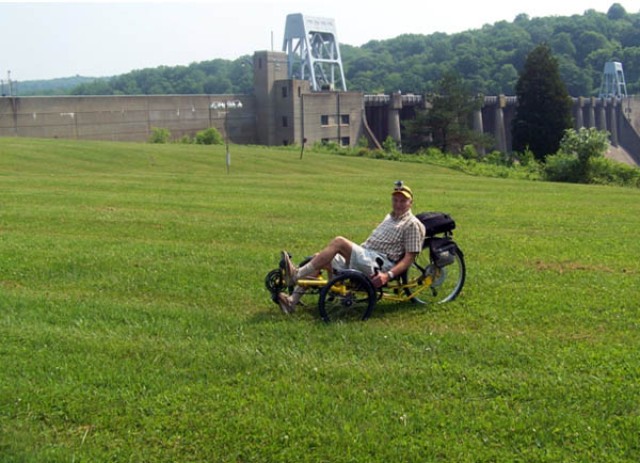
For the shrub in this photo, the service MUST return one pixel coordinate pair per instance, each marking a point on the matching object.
(526, 158)
(433, 152)
(378, 154)
(389, 145)
(362, 142)
(209, 136)
(561, 167)
(581, 160)
(159, 135)
(585, 144)
(469, 152)
(498, 159)
(606, 171)
(328, 146)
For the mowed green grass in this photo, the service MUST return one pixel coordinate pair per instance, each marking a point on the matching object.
(135, 326)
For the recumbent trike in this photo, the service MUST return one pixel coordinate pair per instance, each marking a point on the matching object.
(437, 275)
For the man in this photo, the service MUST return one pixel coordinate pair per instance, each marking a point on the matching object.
(388, 252)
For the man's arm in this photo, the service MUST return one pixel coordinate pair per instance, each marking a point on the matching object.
(382, 278)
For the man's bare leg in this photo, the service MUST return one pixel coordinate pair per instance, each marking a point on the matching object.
(339, 245)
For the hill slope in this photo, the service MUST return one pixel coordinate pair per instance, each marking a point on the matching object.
(135, 324)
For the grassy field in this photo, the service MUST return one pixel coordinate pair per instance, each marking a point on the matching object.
(135, 326)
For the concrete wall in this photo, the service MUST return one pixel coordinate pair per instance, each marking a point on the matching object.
(281, 112)
(629, 127)
(288, 112)
(124, 118)
(269, 67)
(621, 118)
(333, 117)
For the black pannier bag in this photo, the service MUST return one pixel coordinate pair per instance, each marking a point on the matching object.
(436, 222)
(443, 251)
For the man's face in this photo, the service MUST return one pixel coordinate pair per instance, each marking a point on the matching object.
(401, 203)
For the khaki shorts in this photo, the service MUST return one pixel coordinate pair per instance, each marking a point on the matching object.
(364, 260)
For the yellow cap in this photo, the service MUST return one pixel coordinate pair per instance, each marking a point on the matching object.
(403, 190)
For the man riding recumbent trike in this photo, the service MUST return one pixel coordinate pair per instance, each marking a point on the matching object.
(406, 258)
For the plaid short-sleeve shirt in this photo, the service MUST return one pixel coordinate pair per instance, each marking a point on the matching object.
(396, 236)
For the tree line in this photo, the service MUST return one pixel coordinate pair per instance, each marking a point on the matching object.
(489, 59)
(545, 146)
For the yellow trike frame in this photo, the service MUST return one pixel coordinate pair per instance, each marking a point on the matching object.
(437, 275)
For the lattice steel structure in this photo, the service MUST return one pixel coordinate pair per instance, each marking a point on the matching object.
(313, 52)
(613, 84)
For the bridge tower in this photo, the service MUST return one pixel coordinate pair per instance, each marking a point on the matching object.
(613, 84)
(313, 52)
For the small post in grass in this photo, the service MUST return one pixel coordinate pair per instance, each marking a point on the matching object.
(304, 140)
(225, 106)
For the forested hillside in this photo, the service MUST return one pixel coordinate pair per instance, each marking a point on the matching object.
(489, 59)
(207, 77)
(61, 86)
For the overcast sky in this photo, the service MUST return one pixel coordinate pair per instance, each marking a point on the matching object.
(47, 40)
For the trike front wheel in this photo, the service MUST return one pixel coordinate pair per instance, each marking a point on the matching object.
(348, 296)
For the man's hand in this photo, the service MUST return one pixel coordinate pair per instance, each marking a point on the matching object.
(380, 279)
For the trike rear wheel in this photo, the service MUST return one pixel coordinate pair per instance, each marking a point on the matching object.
(347, 296)
(446, 281)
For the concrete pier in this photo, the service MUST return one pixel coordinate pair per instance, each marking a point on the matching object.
(395, 105)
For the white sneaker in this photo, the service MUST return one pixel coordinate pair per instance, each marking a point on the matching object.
(286, 304)
(290, 270)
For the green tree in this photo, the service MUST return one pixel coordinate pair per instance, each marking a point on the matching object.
(484, 57)
(616, 11)
(578, 82)
(447, 124)
(506, 78)
(97, 87)
(581, 160)
(544, 106)
(589, 42)
(585, 144)
(563, 45)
